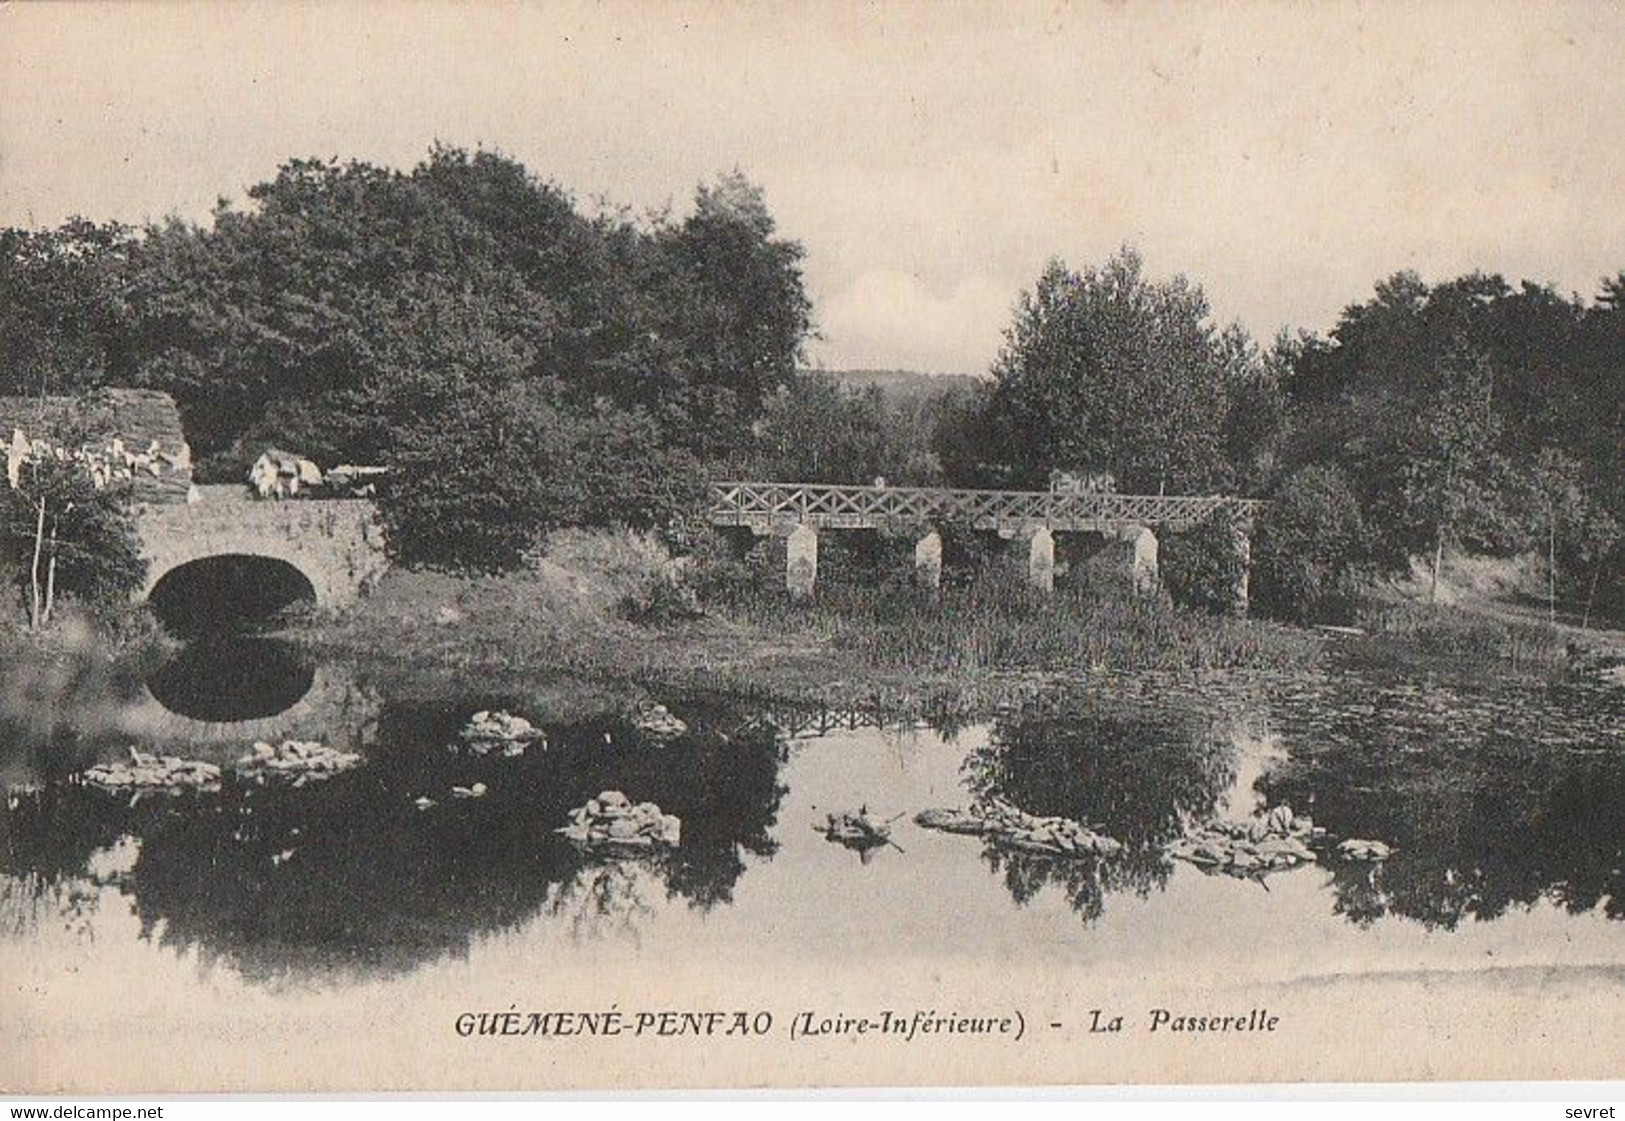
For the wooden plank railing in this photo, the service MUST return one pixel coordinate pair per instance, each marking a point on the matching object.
(768, 506)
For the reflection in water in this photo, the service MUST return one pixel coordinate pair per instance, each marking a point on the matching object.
(61, 711)
(1496, 798)
(1494, 795)
(610, 897)
(227, 678)
(1136, 775)
(33, 902)
(1493, 799)
(347, 876)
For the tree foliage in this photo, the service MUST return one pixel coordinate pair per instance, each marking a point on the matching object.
(1310, 545)
(415, 320)
(66, 528)
(1466, 414)
(1204, 567)
(1108, 369)
(815, 430)
(477, 482)
(419, 319)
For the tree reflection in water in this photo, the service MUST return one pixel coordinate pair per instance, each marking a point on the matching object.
(347, 878)
(1134, 772)
(1492, 799)
(609, 897)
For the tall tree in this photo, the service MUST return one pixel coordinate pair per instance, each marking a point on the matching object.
(63, 307)
(1108, 369)
(1448, 470)
(1448, 407)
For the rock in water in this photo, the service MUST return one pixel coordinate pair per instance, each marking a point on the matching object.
(1269, 842)
(671, 830)
(486, 732)
(951, 821)
(611, 822)
(657, 723)
(1354, 849)
(153, 773)
(1004, 824)
(298, 761)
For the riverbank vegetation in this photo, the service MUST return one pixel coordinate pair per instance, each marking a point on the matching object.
(581, 609)
(1408, 631)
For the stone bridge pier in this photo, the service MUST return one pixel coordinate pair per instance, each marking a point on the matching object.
(1135, 548)
(336, 544)
(1133, 551)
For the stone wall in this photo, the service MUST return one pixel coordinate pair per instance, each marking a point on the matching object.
(138, 417)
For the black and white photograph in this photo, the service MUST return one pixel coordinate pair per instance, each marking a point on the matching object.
(705, 545)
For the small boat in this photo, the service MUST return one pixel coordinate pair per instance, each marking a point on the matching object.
(858, 831)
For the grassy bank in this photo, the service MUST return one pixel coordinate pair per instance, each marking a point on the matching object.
(1483, 635)
(886, 647)
(990, 626)
(868, 640)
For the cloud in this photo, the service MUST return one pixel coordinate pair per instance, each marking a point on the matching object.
(890, 318)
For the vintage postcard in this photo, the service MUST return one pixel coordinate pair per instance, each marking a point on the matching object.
(702, 544)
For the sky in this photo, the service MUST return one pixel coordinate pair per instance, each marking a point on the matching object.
(930, 157)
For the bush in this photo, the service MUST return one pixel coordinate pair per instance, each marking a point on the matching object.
(1203, 568)
(624, 572)
(482, 479)
(731, 567)
(469, 485)
(1310, 547)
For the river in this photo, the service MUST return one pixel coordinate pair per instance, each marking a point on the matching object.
(1503, 802)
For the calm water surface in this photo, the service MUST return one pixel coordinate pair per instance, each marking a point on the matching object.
(1505, 804)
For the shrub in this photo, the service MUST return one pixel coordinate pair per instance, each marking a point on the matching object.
(1203, 567)
(1310, 546)
(479, 481)
(468, 487)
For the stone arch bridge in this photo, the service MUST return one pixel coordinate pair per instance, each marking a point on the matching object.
(335, 544)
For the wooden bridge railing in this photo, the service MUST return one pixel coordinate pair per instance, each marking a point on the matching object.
(765, 507)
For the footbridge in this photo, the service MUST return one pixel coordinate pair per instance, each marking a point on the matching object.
(798, 512)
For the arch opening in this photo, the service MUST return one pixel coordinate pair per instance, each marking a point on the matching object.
(228, 594)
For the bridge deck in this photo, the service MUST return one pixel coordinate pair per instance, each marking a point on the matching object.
(769, 507)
